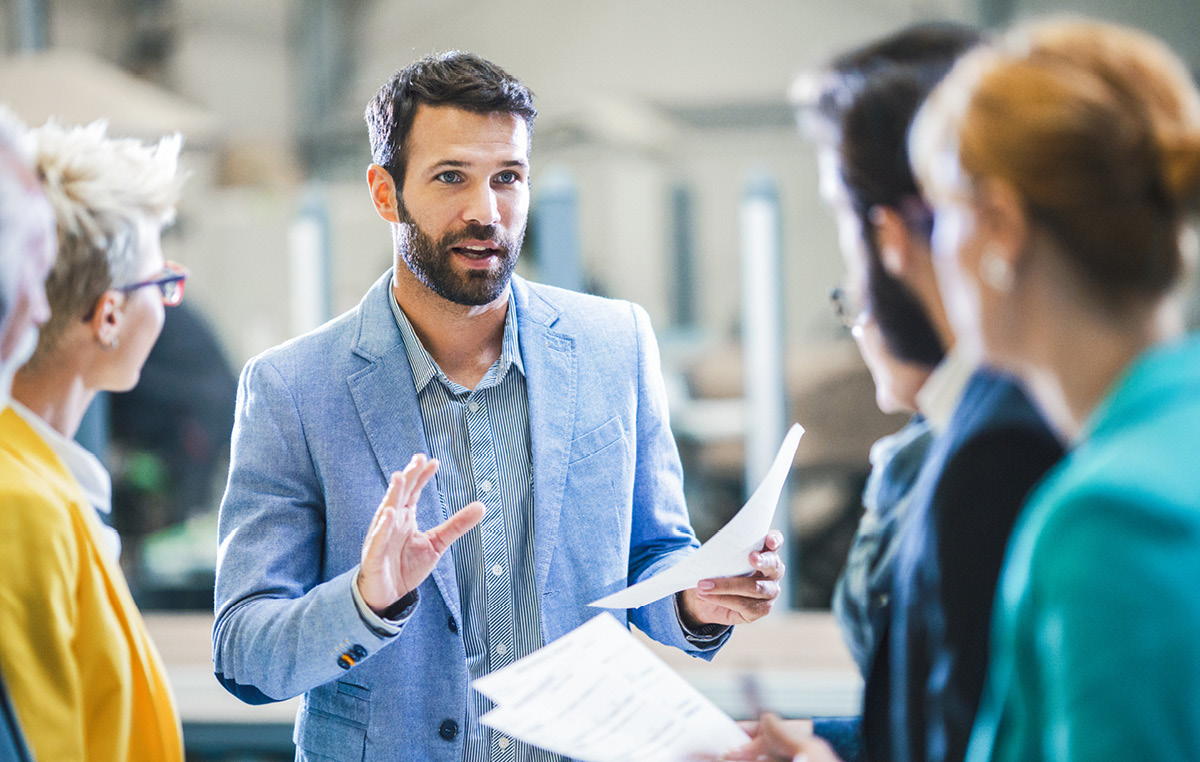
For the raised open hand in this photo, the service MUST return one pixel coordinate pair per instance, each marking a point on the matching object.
(397, 556)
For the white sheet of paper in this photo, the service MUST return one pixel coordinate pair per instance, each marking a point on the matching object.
(727, 553)
(598, 695)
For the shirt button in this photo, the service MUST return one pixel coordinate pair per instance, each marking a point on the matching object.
(498, 570)
(486, 486)
(502, 742)
(448, 729)
(473, 406)
(501, 649)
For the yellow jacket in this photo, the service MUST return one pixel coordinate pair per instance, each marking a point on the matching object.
(86, 681)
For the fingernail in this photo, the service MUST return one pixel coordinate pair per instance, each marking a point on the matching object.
(706, 585)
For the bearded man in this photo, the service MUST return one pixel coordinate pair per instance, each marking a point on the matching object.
(538, 413)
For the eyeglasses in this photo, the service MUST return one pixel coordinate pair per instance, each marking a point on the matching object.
(847, 307)
(169, 282)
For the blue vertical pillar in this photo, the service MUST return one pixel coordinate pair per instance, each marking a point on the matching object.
(556, 231)
(683, 260)
(309, 267)
(94, 428)
(762, 342)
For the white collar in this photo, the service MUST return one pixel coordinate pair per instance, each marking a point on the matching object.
(938, 396)
(87, 469)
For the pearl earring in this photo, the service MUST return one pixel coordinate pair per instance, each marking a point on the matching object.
(995, 270)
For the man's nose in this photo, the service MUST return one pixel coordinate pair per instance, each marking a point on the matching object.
(483, 207)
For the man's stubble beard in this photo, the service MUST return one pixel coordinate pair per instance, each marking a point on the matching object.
(431, 262)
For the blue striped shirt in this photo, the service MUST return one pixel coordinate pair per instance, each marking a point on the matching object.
(481, 439)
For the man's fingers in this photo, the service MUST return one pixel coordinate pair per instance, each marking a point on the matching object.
(443, 535)
(375, 546)
(384, 514)
(417, 474)
(394, 491)
(749, 609)
(767, 563)
(409, 478)
(424, 474)
(740, 587)
(773, 540)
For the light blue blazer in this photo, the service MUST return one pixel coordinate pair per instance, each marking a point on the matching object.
(324, 419)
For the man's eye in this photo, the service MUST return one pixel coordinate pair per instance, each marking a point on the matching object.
(449, 176)
(508, 178)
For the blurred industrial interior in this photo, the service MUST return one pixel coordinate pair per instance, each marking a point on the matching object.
(666, 167)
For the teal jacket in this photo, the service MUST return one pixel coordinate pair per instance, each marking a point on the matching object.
(1096, 633)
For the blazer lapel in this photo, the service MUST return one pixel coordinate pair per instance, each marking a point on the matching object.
(551, 383)
(387, 405)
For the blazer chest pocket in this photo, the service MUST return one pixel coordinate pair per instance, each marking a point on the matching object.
(603, 436)
(333, 725)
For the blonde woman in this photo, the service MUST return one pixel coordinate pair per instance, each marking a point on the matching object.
(1062, 163)
(86, 682)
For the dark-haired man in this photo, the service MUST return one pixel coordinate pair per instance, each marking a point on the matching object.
(917, 600)
(557, 479)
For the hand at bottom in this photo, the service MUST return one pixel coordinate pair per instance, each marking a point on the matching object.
(776, 740)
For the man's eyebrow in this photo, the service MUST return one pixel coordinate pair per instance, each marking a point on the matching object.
(460, 164)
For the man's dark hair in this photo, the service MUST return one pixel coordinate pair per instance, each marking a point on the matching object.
(453, 78)
(863, 104)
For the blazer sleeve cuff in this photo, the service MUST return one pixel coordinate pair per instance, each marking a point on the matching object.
(705, 634)
(660, 620)
(397, 615)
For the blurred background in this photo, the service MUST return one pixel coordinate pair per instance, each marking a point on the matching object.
(667, 169)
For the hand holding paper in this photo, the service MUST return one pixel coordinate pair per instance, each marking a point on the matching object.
(727, 553)
(737, 600)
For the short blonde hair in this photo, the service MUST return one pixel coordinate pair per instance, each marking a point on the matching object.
(101, 188)
(1097, 127)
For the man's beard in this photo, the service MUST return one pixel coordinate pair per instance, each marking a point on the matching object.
(431, 262)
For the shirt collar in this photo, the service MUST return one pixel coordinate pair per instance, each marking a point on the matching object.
(424, 369)
(938, 396)
(87, 469)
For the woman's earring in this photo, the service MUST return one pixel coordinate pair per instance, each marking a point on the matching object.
(109, 345)
(995, 269)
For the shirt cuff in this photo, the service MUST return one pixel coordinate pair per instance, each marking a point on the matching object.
(705, 634)
(397, 614)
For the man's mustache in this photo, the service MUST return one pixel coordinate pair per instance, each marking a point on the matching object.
(475, 232)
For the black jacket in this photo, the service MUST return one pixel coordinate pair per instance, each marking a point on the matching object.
(928, 671)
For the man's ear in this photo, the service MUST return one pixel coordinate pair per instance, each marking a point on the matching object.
(107, 318)
(383, 193)
(893, 241)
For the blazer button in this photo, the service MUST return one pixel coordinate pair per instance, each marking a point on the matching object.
(452, 624)
(448, 729)
(344, 662)
(358, 652)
